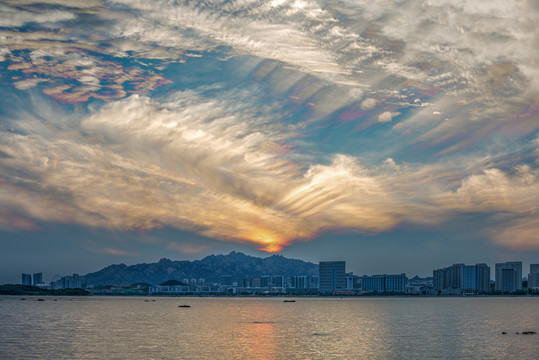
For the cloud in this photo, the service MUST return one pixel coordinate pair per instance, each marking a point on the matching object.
(517, 234)
(258, 157)
(496, 190)
(368, 104)
(111, 251)
(191, 163)
(387, 116)
(15, 18)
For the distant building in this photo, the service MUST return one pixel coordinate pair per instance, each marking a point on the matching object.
(299, 282)
(314, 282)
(265, 281)
(255, 282)
(384, 283)
(533, 277)
(277, 281)
(509, 276)
(37, 279)
(350, 281)
(332, 276)
(395, 283)
(26, 279)
(460, 278)
(68, 282)
(476, 278)
(374, 283)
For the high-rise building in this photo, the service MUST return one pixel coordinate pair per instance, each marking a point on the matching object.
(375, 283)
(509, 276)
(277, 281)
(395, 283)
(459, 277)
(350, 281)
(449, 278)
(265, 281)
(332, 276)
(26, 279)
(533, 277)
(476, 278)
(76, 282)
(38, 279)
(300, 282)
(384, 283)
(255, 282)
(314, 282)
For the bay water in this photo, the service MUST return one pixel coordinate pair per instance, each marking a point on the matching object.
(268, 328)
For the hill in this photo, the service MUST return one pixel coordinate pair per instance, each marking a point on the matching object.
(211, 268)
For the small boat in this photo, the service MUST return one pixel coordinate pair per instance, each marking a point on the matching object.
(184, 306)
(289, 300)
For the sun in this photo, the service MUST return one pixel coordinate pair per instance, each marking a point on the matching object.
(267, 239)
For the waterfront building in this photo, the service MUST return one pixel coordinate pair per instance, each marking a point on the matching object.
(533, 277)
(395, 283)
(349, 281)
(171, 289)
(277, 281)
(476, 278)
(314, 282)
(384, 283)
(299, 282)
(255, 282)
(68, 282)
(332, 276)
(37, 279)
(26, 279)
(265, 281)
(459, 278)
(374, 283)
(509, 276)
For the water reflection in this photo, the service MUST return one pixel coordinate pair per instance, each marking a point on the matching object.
(257, 336)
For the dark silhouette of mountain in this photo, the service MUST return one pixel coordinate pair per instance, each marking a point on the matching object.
(211, 268)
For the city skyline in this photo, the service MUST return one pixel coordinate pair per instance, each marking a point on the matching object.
(493, 272)
(393, 135)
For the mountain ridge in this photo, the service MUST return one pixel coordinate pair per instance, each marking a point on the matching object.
(235, 264)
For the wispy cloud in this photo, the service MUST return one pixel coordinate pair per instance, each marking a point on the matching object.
(111, 251)
(295, 145)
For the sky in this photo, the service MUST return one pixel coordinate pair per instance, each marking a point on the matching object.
(400, 136)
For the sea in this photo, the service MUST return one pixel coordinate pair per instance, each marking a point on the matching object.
(98, 327)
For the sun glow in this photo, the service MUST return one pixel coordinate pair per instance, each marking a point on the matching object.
(267, 239)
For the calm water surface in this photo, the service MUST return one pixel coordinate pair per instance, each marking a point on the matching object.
(268, 328)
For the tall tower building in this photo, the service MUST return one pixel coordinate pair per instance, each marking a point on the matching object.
(533, 277)
(26, 279)
(458, 277)
(38, 278)
(509, 276)
(332, 276)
